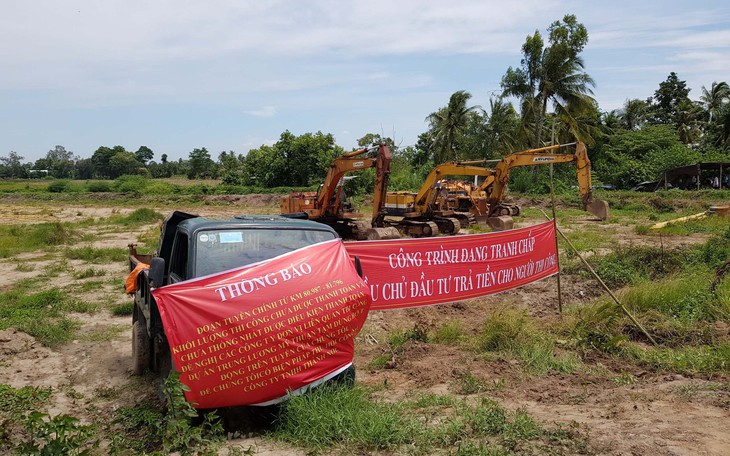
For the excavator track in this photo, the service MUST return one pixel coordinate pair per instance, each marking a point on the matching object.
(448, 225)
(417, 228)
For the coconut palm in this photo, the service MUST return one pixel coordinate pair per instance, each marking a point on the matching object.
(448, 124)
(714, 98)
(634, 113)
(549, 76)
(689, 120)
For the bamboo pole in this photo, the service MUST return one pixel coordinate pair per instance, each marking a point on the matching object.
(557, 252)
(603, 284)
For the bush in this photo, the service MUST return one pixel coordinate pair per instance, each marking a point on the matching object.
(130, 184)
(59, 186)
(99, 186)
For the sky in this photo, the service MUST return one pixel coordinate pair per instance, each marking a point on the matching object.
(175, 75)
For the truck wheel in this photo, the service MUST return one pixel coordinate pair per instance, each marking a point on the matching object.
(140, 347)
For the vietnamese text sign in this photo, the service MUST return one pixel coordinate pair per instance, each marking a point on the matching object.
(416, 272)
(249, 335)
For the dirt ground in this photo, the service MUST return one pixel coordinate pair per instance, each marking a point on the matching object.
(652, 415)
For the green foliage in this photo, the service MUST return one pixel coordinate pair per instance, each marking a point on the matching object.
(60, 435)
(128, 184)
(635, 264)
(179, 432)
(99, 186)
(59, 186)
(89, 272)
(399, 338)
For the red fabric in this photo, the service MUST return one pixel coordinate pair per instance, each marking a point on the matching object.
(249, 335)
(417, 272)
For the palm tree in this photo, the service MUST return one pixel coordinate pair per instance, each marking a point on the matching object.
(713, 99)
(553, 75)
(449, 123)
(634, 113)
(689, 115)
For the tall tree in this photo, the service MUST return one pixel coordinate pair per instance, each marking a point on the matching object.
(12, 165)
(667, 99)
(144, 154)
(715, 98)
(448, 124)
(689, 121)
(551, 75)
(201, 165)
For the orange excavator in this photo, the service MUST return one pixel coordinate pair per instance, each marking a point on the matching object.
(489, 196)
(329, 206)
(426, 213)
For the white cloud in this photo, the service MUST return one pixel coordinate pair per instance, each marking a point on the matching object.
(266, 111)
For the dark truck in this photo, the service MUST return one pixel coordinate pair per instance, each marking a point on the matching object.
(193, 246)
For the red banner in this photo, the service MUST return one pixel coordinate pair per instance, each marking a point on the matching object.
(416, 272)
(250, 335)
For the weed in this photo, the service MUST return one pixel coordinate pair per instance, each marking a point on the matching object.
(138, 217)
(97, 255)
(512, 333)
(90, 285)
(467, 383)
(449, 333)
(60, 434)
(24, 267)
(624, 378)
(380, 361)
(398, 338)
(89, 272)
(123, 309)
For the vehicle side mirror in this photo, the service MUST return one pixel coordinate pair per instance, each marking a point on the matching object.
(358, 266)
(157, 272)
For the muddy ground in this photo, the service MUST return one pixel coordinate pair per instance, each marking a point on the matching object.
(653, 414)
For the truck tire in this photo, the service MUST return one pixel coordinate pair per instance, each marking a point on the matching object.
(140, 347)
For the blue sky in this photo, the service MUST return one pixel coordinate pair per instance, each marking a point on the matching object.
(232, 75)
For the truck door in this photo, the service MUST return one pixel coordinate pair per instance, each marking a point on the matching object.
(178, 270)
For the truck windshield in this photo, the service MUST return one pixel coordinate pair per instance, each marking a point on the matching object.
(221, 250)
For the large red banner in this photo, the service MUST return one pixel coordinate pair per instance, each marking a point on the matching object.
(251, 335)
(415, 272)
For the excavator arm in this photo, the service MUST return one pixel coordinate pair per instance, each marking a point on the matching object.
(351, 161)
(542, 156)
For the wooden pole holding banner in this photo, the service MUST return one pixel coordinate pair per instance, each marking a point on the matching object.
(603, 284)
(557, 251)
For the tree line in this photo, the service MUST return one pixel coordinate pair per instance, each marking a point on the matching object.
(546, 99)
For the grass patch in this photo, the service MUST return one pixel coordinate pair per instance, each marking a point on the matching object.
(512, 334)
(25, 267)
(89, 272)
(712, 225)
(355, 421)
(141, 216)
(41, 314)
(16, 239)
(450, 333)
(124, 309)
(97, 255)
(105, 334)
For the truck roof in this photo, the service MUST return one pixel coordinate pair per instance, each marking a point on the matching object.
(250, 221)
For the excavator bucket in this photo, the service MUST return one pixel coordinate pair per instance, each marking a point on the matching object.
(501, 223)
(599, 208)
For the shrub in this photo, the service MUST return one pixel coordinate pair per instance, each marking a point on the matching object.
(59, 186)
(99, 186)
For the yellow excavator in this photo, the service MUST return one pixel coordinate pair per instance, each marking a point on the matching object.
(489, 197)
(328, 205)
(426, 213)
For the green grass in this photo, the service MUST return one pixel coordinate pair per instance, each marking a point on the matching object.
(15, 239)
(42, 314)
(354, 420)
(89, 272)
(712, 225)
(97, 255)
(512, 334)
(105, 334)
(450, 333)
(123, 309)
(139, 217)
